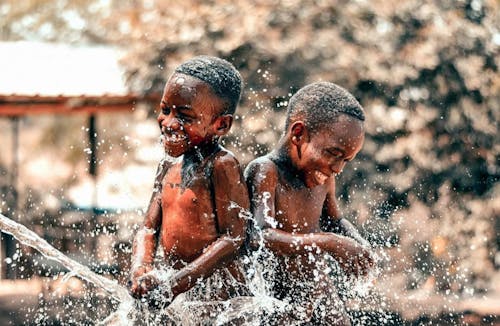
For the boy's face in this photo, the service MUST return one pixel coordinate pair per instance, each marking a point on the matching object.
(325, 152)
(190, 114)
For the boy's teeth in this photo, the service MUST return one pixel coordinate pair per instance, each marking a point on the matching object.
(320, 176)
(173, 138)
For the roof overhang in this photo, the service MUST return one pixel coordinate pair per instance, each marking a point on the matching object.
(41, 78)
(19, 105)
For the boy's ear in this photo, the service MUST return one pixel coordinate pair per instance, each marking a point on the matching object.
(223, 124)
(298, 132)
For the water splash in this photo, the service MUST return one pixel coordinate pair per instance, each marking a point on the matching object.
(183, 311)
(266, 197)
(30, 238)
(258, 306)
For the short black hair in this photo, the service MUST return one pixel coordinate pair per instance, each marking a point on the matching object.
(221, 75)
(319, 104)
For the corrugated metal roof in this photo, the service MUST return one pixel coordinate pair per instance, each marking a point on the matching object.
(48, 69)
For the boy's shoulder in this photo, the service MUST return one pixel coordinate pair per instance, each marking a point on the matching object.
(226, 162)
(224, 157)
(262, 166)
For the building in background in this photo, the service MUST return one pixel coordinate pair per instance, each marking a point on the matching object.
(59, 79)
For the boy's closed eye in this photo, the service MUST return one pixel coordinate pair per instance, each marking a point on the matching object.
(335, 153)
(185, 114)
(165, 109)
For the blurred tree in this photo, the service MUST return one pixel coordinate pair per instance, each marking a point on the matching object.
(78, 21)
(425, 71)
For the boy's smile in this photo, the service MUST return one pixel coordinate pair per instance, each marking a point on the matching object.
(189, 109)
(328, 150)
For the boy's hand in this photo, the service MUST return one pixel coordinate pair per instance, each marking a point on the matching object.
(141, 282)
(357, 262)
(353, 257)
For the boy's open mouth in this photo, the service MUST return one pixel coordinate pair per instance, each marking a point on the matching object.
(320, 177)
(173, 138)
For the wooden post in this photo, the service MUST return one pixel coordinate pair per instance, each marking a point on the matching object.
(12, 202)
(92, 135)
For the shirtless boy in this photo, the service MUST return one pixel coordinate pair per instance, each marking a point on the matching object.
(192, 212)
(293, 201)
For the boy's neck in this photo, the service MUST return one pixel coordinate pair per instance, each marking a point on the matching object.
(282, 156)
(202, 151)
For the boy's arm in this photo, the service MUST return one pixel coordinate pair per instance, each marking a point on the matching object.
(352, 257)
(231, 205)
(261, 177)
(333, 221)
(363, 256)
(146, 240)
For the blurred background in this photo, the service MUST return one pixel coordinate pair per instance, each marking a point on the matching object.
(80, 83)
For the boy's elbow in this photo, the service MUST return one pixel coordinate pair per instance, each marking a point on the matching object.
(237, 239)
(369, 256)
(262, 238)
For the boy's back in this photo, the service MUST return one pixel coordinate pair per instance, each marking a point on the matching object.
(295, 208)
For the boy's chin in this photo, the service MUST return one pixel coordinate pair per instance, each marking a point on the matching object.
(315, 179)
(175, 152)
(311, 184)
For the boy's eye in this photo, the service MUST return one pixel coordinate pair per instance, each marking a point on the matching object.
(185, 118)
(335, 154)
(165, 110)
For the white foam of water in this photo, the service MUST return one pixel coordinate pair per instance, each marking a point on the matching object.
(259, 266)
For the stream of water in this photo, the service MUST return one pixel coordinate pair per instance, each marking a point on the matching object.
(30, 238)
(183, 311)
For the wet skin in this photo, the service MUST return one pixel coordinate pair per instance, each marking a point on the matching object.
(189, 214)
(299, 180)
(292, 189)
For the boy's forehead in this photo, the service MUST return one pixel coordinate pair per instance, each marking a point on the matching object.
(345, 129)
(186, 86)
(188, 90)
(181, 80)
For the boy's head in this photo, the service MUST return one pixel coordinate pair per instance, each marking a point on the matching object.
(320, 104)
(198, 102)
(325, 129)
(221, 75)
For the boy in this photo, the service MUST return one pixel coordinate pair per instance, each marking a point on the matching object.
(192, 212)
(293, 196)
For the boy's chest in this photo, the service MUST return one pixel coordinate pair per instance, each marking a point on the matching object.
(186, 194)
(299, 210)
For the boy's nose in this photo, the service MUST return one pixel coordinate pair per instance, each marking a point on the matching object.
(337, 166)
(174, 124)
(171, 123)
